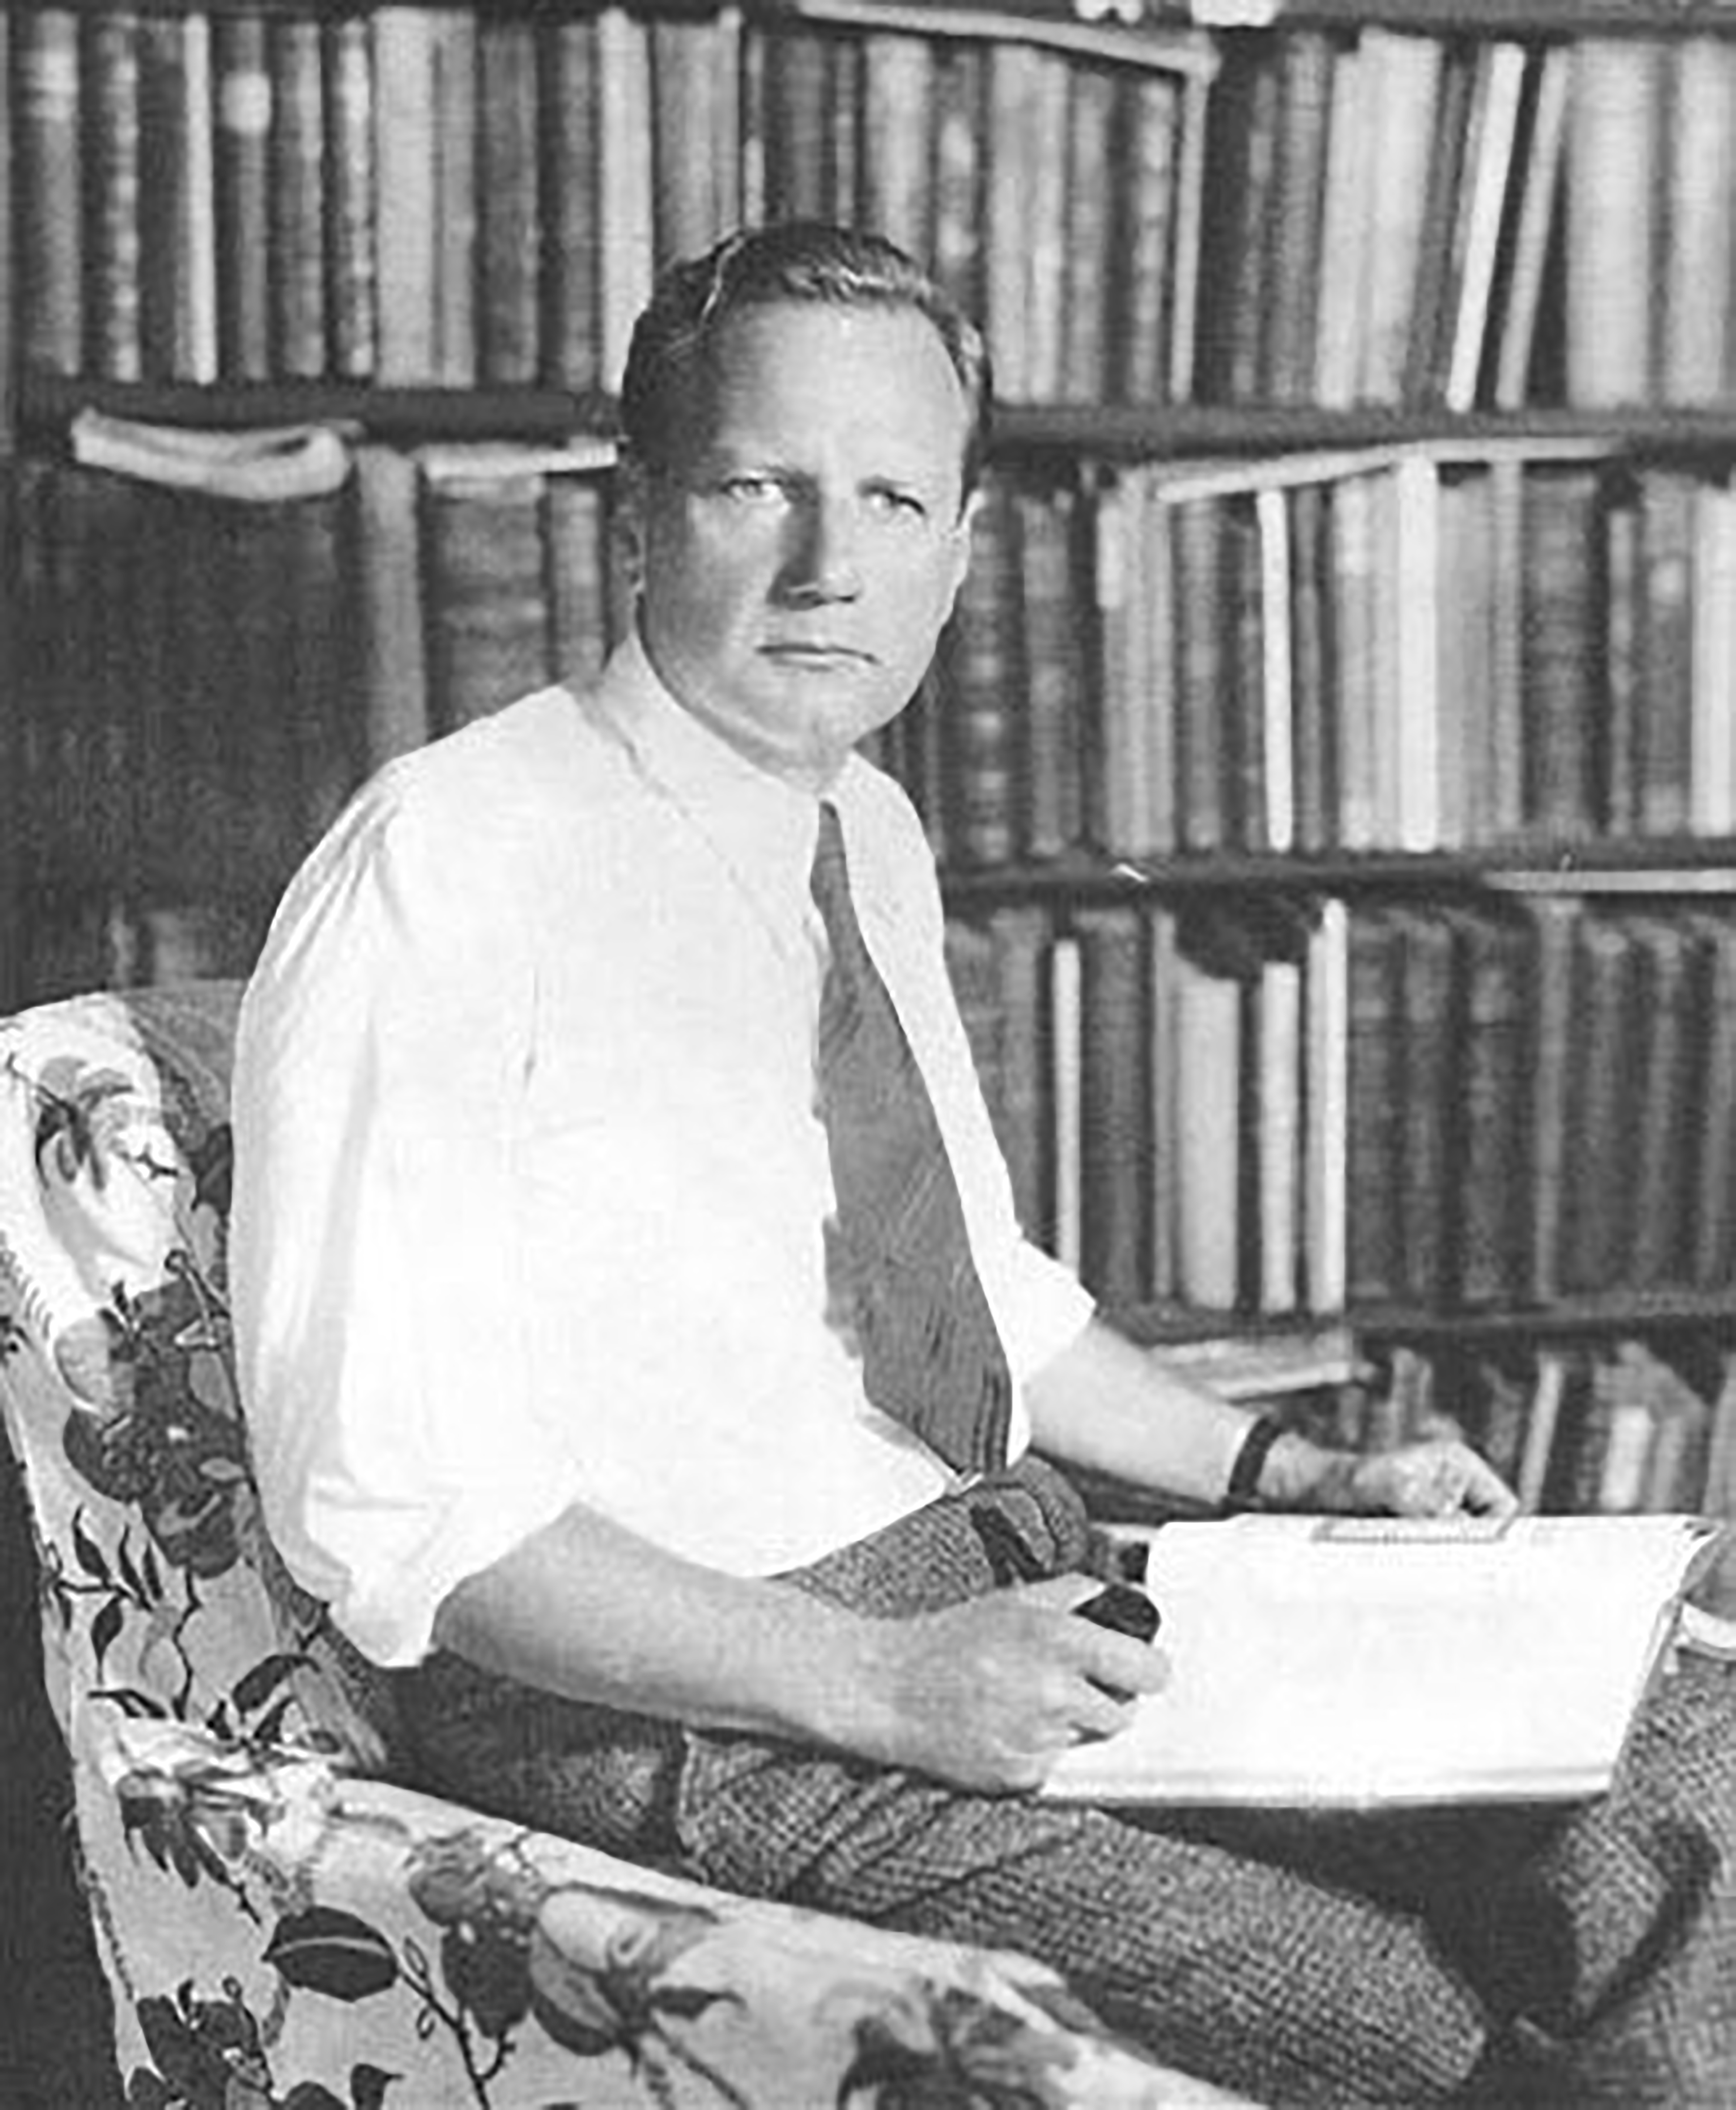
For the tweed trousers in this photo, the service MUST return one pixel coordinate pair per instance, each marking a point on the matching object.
(1493, 1956)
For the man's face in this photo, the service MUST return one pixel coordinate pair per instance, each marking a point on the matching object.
(800, 562)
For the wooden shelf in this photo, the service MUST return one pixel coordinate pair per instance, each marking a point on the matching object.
(1609, 1312)
(47, 402)
(1618, 867)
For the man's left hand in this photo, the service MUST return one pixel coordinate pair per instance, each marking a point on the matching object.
(1438, 1478)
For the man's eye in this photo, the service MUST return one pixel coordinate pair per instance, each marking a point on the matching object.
(892, 503)
(753, 490)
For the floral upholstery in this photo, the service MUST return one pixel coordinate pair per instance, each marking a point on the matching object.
(280, 1924)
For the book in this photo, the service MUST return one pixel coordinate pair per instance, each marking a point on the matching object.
(406, 149)
(1713, 1258)
(1698, 148)
(296, 240)
(1325, 1108)
(1294, 260)
(1428, 1082)
(1013, 78)
(1602, 1084)
(1671, 998)
(1560, 651)
(487, 606)
(1711, 729)
(692, 63)
(1021, 1117)
(1202, 601)
(1613, 148)
(1312, 645)
(260, 465)
(1052, 822)
(1363, 1662)
(959, 158)
(1374, 1105)
(1114, 1138)
(109, 60)
(509, 212)
(1210, 1045)
(1664, 734)
(1065, 1098)
(242, 120)
(455, 197)
(897, 137)
(981, 660)
(798, 108)
(391, 655)
(1145, 335)
(571, 325)
(352, 261)
(1089, 195)
(627, 215)
(177, 234)
(1402, 88)
(1501, 75)
(576, 532)
(1241, 170)
(1493, 1060)
(48, 80)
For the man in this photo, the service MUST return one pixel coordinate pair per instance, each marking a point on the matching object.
(641, 1349)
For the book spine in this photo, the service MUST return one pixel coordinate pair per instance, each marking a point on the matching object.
(1713, 1261)
(687, 108)
(626, 213)
(1603, 1079)
(1045, 229)
(1667, 714)
(982, 659)
(1430, 1036)
(508, 204)
(352, 263)
(797, 105)
(1114, 1140)
(297, 199)
(392, 668)
(1612, 149)
(960, 149)
(487, 611)
(1670, 978)
(1142, 281)
(1023, 1118)
(576, 532)
(897, 139)
(242, 94)
(46, 162)
(572, 236)
(1202, 603)
(1496, 1130)
(1374, 1258)
(1295, 260)
(110, 59)
(1054, 821)
(1088, 193)
(456, 332)
(1560, 651)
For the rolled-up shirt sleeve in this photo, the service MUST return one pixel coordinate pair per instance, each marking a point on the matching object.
(376, 1254)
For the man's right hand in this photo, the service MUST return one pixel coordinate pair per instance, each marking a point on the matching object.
(988, 1693)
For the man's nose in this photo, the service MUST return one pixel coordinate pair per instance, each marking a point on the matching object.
(824, 559)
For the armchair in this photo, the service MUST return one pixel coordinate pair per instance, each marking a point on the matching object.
(280, 1923)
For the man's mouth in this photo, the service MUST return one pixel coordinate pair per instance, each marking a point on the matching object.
(799, 654)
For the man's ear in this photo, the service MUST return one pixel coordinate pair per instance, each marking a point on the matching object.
(962, 529)
(630, 524)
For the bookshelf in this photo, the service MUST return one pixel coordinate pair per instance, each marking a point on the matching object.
(1340, 709)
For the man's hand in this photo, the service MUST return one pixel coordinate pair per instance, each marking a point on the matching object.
(1440, 1477)
(987, 1694)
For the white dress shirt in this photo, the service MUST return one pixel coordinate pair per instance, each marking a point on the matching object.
(531, 1186)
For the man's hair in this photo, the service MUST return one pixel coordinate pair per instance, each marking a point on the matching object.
(670, 361)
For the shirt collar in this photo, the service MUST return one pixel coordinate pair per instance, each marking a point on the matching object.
(764, 828)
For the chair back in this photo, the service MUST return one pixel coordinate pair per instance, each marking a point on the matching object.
(162, 1594)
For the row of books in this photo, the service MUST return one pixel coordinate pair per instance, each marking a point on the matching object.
(201, 676)
(1426, 646)
(1616, 1427)
(1414, 219)
(1280, 1107)
(433, 194)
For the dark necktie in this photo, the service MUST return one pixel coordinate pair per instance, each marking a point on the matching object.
(932, 1357)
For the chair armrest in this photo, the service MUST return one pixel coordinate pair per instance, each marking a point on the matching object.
(345, 1925)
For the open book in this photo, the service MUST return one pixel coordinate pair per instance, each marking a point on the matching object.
(1355, 1661)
